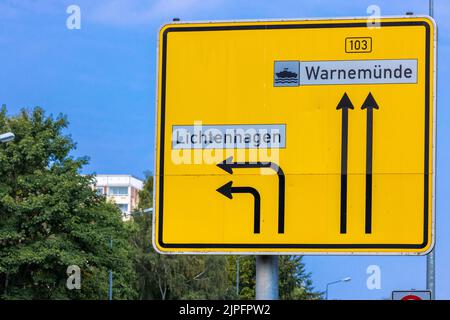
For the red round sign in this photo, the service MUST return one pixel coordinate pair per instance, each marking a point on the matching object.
(411, 297)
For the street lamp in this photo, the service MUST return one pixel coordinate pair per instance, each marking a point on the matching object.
(7, 137)
(110, 289)
(347, 279)
(237, 275)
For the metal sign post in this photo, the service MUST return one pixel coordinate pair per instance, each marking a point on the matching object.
(430, 274)
(431, 257)
(266, 277)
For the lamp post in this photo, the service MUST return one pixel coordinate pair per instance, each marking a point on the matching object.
(237, 275)
(7, 137)
(347, 279)
(431, 258)
(110, 289)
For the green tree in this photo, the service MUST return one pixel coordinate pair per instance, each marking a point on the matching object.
(174, 276)
(295, 282)
(50, 218)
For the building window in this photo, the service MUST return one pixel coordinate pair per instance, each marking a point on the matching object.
(118, 191)
(100, 191)
(123, 207)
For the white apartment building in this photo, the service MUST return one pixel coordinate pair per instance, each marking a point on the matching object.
(121, 189)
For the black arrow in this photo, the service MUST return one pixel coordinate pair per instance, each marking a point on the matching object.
(369, 104)
(228, 165)
(227, 190)
(344, 104)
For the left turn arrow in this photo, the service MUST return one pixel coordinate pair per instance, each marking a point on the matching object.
(227, 190)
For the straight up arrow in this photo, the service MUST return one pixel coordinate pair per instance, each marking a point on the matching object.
(369, 104)
(344, 104)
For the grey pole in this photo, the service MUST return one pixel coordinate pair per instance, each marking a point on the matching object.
(328, 285)
(266, 277)
(431, 268)
(430, 274)
(237, 276)
(110, 274)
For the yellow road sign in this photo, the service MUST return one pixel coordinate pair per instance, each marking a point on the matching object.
(307, 136)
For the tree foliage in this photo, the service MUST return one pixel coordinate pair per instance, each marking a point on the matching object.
(50, 218)
(169, 276)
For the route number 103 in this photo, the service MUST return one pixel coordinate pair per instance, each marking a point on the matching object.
(358, 44)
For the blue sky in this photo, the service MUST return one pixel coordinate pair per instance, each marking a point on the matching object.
(103, 78)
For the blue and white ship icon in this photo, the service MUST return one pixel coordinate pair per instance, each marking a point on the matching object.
(286, 74)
